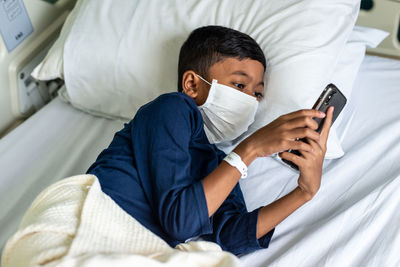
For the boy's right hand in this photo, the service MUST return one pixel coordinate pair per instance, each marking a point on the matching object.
(282, 134)
(310, 163)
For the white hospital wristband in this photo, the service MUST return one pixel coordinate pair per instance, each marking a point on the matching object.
(235, 160)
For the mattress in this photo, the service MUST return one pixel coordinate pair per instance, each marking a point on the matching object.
(352, 221)
(354, 218)
(56, 142)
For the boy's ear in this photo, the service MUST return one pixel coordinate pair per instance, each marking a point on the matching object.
(190, 84)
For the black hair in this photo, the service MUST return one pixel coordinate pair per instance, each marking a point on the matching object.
(208, 45)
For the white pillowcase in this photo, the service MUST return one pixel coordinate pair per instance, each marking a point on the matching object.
(343, 77)
(52, 66)
(351, 57)
(120, 54)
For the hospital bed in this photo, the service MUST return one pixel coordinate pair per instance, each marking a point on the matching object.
(353, 220)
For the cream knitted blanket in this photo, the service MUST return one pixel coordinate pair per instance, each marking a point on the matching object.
(73, 223)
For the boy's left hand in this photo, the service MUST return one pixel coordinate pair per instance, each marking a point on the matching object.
(310, 163)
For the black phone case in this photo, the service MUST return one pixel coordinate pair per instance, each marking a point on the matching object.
(336, 99)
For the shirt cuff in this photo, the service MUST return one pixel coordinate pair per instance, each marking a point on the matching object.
(205, 221)
(262, 242)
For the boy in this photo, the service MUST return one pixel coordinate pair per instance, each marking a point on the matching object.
(164, 169)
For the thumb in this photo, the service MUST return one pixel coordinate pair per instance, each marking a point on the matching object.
(327, 125)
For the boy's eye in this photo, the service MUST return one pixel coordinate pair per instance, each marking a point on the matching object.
(258, 95)
(239, 85)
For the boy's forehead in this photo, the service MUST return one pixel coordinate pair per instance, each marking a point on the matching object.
(229, 66)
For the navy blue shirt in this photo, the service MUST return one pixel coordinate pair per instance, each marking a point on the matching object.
(153, 170)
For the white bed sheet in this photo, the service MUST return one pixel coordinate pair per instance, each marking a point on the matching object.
(352, 221)
(56, 142)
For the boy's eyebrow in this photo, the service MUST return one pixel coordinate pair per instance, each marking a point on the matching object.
(239, 72)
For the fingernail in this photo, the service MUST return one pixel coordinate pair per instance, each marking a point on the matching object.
(322, 114)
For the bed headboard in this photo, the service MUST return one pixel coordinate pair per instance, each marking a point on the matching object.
(384, 15)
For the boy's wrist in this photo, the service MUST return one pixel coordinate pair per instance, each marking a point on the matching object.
(246, 152)
(303, 195)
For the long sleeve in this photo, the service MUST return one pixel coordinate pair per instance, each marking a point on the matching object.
(153, 169)
(177, 198)
(117, 158)
(235, 229)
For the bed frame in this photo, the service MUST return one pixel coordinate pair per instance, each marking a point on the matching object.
(47, 20)
(384, 15)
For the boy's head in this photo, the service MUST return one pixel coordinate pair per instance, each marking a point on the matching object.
(229, 56)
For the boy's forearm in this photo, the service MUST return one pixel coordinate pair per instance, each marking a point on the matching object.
(274, 213)
(220, 182)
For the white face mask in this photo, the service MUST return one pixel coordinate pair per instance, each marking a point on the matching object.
(227, 112)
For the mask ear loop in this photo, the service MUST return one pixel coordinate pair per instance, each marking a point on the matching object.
(204, 80)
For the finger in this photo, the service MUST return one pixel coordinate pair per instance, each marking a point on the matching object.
(305, 113)
(316, 146)
(291, 157)
(301, 146)
(304, 133)
(327, 125)
(300, 122)
(316, 149)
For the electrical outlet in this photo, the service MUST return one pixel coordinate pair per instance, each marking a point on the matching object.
(31, 95)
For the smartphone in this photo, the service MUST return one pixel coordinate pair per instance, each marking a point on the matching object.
(331, 96)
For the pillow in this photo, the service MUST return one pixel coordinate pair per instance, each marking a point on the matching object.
(344, 75)
(120, 55)
(351, 58)
(51, 66)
